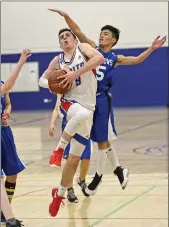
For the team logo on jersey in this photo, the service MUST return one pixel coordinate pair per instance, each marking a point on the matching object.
(76, 67)
(109, 62)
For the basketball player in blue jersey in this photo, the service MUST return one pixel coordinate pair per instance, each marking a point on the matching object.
(109, 36)
(10, 162)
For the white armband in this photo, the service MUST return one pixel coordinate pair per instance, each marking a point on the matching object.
(43, 81)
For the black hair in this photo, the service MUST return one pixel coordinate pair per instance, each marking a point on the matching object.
(66, 30)
(115, 32)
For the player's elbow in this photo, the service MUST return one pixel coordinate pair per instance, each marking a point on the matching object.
(40, 82)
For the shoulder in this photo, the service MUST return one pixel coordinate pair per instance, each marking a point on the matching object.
(119, 60)
(87, 48)
(56, 58)
(119, 57)
(54, 61)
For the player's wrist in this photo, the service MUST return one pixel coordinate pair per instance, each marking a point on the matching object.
(66, 16)
(77, 73)
(151, 48)
(52, 125)
(21, 63)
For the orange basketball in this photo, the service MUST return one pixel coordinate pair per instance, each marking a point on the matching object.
(53, 82)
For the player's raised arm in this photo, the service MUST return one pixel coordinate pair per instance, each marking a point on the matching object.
(43, 80)
(75, 28)
(130, 60)
(9, 83)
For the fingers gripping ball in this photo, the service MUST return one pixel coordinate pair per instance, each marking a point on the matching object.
(53, 82)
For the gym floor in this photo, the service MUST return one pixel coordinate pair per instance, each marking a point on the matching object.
(141, 146)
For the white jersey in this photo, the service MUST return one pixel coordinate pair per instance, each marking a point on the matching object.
(84, 88)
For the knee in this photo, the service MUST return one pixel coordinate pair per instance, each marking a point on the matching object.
(103, 145)
(73, 160)
(12, 178)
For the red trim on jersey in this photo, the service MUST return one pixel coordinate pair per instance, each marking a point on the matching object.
(94, 71)
(72, 58)
(85, 57)
(65, 105)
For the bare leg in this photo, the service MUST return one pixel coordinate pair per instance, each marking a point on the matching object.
(5, 205)
(85, 163)
(69, 171)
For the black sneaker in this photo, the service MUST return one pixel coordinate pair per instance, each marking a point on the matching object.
(65, 157)
(16, 223)
(122, 175)
(71, 196)
(81, 183)
(91, 189)
(3, 220)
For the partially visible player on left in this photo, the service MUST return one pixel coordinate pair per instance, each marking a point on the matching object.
(10, 162)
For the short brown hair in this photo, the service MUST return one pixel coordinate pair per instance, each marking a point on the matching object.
(66, 30)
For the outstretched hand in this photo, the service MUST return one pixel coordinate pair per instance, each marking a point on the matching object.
(62, 13)
(157, 43)
(25, 55)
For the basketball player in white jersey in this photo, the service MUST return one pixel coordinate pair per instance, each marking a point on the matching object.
(84, 159)
(77, 105)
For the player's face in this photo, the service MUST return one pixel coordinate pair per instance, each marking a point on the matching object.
(67, 40)
(106, 38)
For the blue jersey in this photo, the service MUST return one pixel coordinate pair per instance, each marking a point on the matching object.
(104, 71)
(3, 105)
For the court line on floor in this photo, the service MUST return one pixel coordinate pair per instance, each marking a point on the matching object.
(30, 121)
(119, 134)
(27, 193)
(110, 185)
(142, 126)
(65, 218)
(122, 206)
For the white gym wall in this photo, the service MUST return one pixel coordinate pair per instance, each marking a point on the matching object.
(31, 25)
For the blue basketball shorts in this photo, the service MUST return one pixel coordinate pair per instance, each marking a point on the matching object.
(10, 162)
(103, 120)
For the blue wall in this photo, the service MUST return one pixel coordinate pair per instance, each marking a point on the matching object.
(134, 86)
